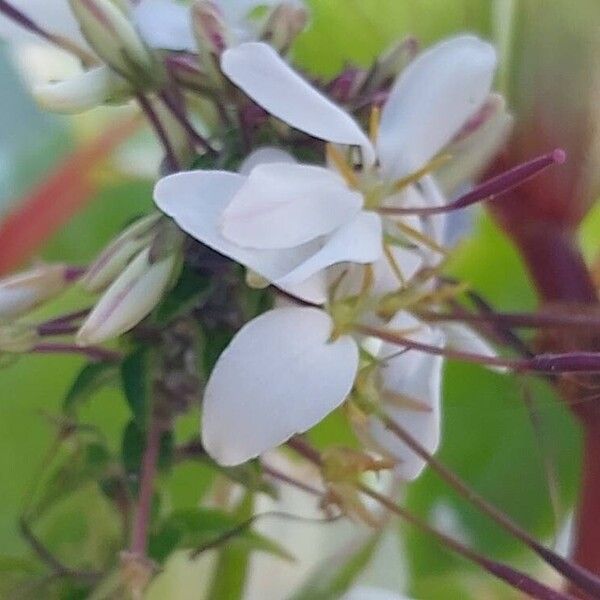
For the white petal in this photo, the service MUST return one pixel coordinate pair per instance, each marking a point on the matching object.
(431, 101)
(81, 92)
(264, 76)
(279, 376)
(264, 156)
(165, 24)
(284, 205)
(417, 376)
(462, 338)
(358, 241)
(385, 278)
(196, 201)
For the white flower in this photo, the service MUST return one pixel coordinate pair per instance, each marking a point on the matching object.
(283, 373)
(198, 200)
(307, 218)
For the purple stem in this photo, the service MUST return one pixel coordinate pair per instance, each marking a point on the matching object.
(521, 320)
(555, 364)
(171, 158)
(23, 20)
(178, 113)
(141, 524)
(94, 353)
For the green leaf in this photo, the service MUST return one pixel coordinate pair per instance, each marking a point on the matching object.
(490, 442)
(13, 564)
(132, 447)
(250, 476)
(229, 578)
(137, 385)
(89, 380)
(201, 529)
(336, 576)
(79, 464)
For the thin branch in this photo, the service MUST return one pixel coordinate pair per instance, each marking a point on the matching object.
(554, 364)
(141, 524)
(183, 120)
(94, 353)
(584, 579)
(512, 577)
(29, 24)
(58, 568)
(170, 155)
(520, 320)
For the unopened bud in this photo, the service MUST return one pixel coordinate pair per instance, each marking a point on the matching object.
(117, 255)
(210, 28)
(131, 298)
(476, 145)
(115, 39)
(391, 63)
(213, 36)
(87, 90)
(23, 292)
(284, 25)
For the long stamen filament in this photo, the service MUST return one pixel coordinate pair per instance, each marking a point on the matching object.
(556, 364)
(432, 165)
(345, 170)
(374, 122)
(420, 237)
(490, 189)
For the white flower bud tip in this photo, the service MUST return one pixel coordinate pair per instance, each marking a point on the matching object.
(130, 298)
(23, 292)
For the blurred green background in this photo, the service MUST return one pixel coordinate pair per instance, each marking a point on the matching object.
(488, 438)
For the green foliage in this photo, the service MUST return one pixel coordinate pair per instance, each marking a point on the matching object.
(137, 385)
(89, 380)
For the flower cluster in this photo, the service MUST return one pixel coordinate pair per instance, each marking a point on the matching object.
(349, 225)
(292, 263)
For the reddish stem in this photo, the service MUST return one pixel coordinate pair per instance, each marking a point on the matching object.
(556, 264)
(587, 549)
(141, 524)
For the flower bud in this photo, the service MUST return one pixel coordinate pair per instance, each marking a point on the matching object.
(391, 63)
(115, 39)
(476, 145)
(284, 25)
(213, 37)
(87, 90)
(117, 255)
(131, 297)
(210, 28)
(23, 292)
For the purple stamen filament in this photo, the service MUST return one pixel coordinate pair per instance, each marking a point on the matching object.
(490, 189)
